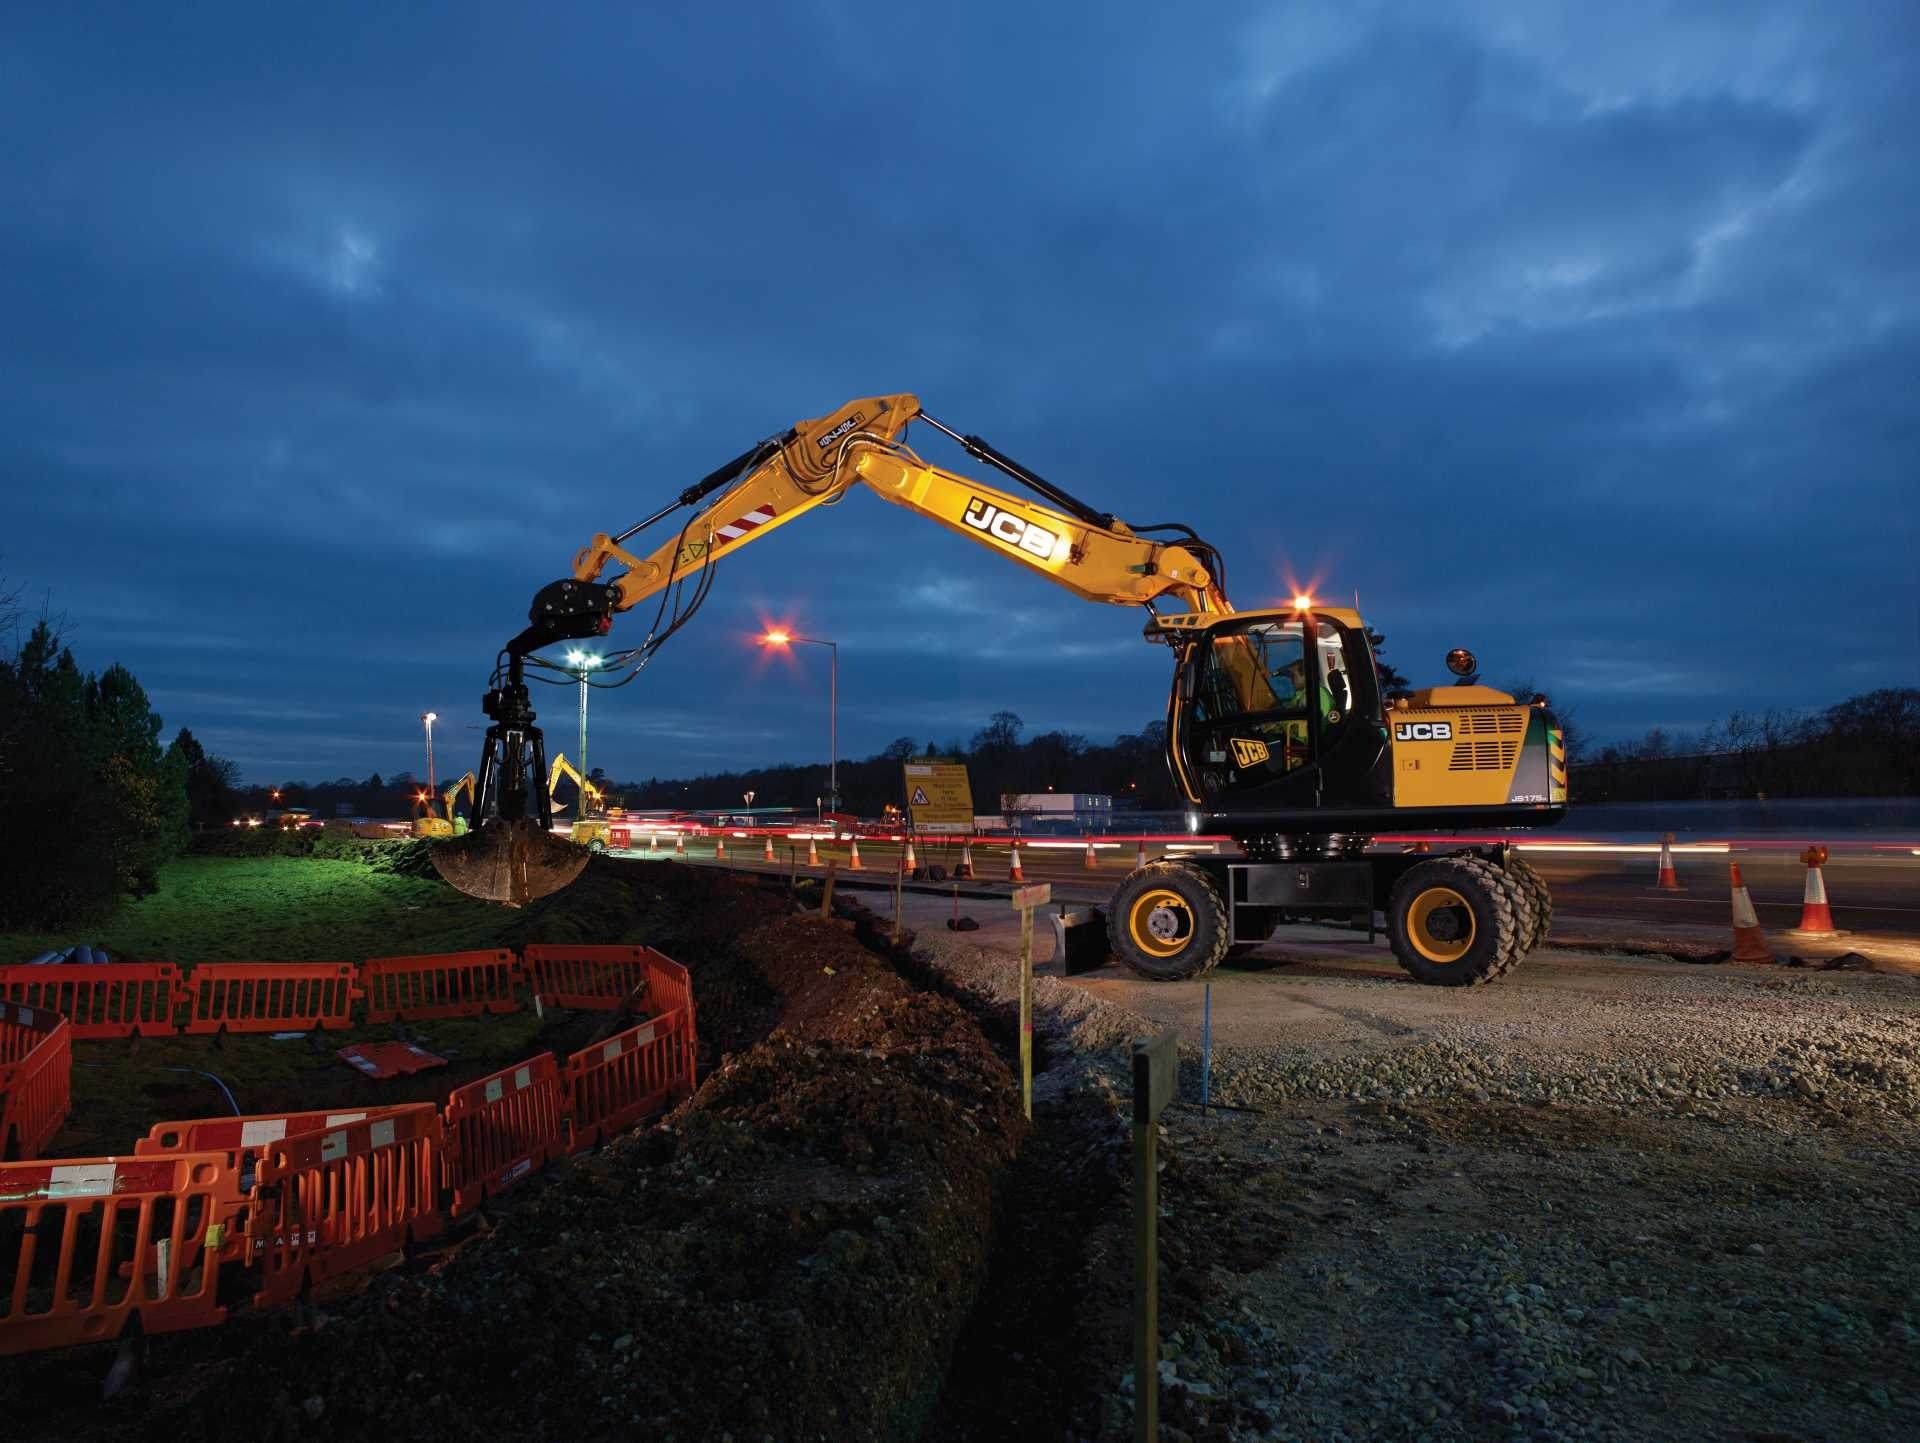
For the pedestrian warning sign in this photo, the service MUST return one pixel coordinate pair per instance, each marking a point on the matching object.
(938, 797)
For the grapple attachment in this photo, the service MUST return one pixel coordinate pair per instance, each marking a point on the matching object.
(511, 862)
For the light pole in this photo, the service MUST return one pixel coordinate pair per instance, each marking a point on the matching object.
(428, 718)
(583, 662)
(787, 638)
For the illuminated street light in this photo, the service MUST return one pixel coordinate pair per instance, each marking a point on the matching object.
(787, 638)
(583, 662)
(427, 718)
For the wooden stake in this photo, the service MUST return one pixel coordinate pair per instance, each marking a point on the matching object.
(1154, 1062)
(826, 891)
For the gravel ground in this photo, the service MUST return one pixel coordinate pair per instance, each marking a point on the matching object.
(1627, 1202)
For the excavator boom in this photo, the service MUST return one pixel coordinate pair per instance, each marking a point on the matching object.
(812, 464)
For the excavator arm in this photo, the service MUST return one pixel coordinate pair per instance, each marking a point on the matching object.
(513, 857)
(815, 463)
(589, 793)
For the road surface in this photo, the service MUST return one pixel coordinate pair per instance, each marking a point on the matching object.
(1873, 893)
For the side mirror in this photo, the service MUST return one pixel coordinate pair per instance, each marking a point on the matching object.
(1461, 662)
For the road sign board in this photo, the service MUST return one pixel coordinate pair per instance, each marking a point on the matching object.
(1038, 895)
(938, 796)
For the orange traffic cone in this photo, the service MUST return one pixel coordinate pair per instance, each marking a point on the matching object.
(853, 855)
(964, 869)
(679, 844)
(719, 847)
(1139, 853)
(1093, 862)
(813, 853)
(1749, 942)
(1816, 918)
(767, 854)
(1014, 874)
(909, 865)
(1669, 880)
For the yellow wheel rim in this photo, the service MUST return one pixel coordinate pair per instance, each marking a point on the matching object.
(1440, 925)
(1160, 922)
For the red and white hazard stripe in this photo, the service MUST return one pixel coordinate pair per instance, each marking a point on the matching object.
(754, 519)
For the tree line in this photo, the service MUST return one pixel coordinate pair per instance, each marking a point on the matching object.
(91, 802)
(1865, 746)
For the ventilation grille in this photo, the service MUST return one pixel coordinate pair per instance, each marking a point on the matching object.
(1483, 756)
(1485, 722)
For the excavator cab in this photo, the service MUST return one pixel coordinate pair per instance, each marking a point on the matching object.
(1279, 713)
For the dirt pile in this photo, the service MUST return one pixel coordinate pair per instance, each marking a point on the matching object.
(792, 1256)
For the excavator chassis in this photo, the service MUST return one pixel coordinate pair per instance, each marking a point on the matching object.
(1456, 918)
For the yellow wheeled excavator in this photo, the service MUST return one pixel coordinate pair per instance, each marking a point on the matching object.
(590, 828)
(1277, 732)
(447, 823)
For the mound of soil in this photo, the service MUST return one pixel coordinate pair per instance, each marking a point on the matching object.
(792, 1255)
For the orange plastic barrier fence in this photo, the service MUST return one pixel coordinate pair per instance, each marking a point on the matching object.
(244, 1134)
(36, 1079)
(334, 1201)
(450, 984)
(503, 1127)
(87, 1244)
(270, 996)
(563, 975)
(613, 1085)
(112, 999)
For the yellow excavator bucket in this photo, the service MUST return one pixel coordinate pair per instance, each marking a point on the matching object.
(511, 862)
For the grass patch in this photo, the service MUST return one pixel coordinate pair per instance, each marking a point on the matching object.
(305, 908)
(281, 909)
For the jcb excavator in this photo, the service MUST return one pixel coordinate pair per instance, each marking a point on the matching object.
(448, 823)
(590, 825)
(1277, 733)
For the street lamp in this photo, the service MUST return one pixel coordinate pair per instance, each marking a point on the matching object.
(787, 638)
(582, 663)
(428, 718)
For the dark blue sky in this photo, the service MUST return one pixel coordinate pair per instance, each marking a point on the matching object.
(1588, 337)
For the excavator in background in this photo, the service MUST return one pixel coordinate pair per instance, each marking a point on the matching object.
(447, 823)
(1277, 732)
(590, 825)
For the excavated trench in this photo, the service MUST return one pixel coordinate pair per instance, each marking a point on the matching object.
(840, 1236)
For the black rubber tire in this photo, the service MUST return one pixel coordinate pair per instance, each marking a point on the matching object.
(596, 846)
(1199, 914)
(1525, 921)
(1489, 950)
(1542, 897)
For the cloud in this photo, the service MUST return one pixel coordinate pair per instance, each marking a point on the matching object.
(1580, 335)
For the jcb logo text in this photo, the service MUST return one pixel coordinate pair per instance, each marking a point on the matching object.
(1002, 526)
(1424, 732)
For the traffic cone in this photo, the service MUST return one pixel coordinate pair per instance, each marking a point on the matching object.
(853, 855)
(1669, 880)
(679, 844)
(909, 864)
(1749, 942)
(1139, 853)
(767, 854)
(965, 868)
(1816, 918)
(1093, 862)
(653, 841)
(813, 853)
(1014, 874)
(719, 847)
